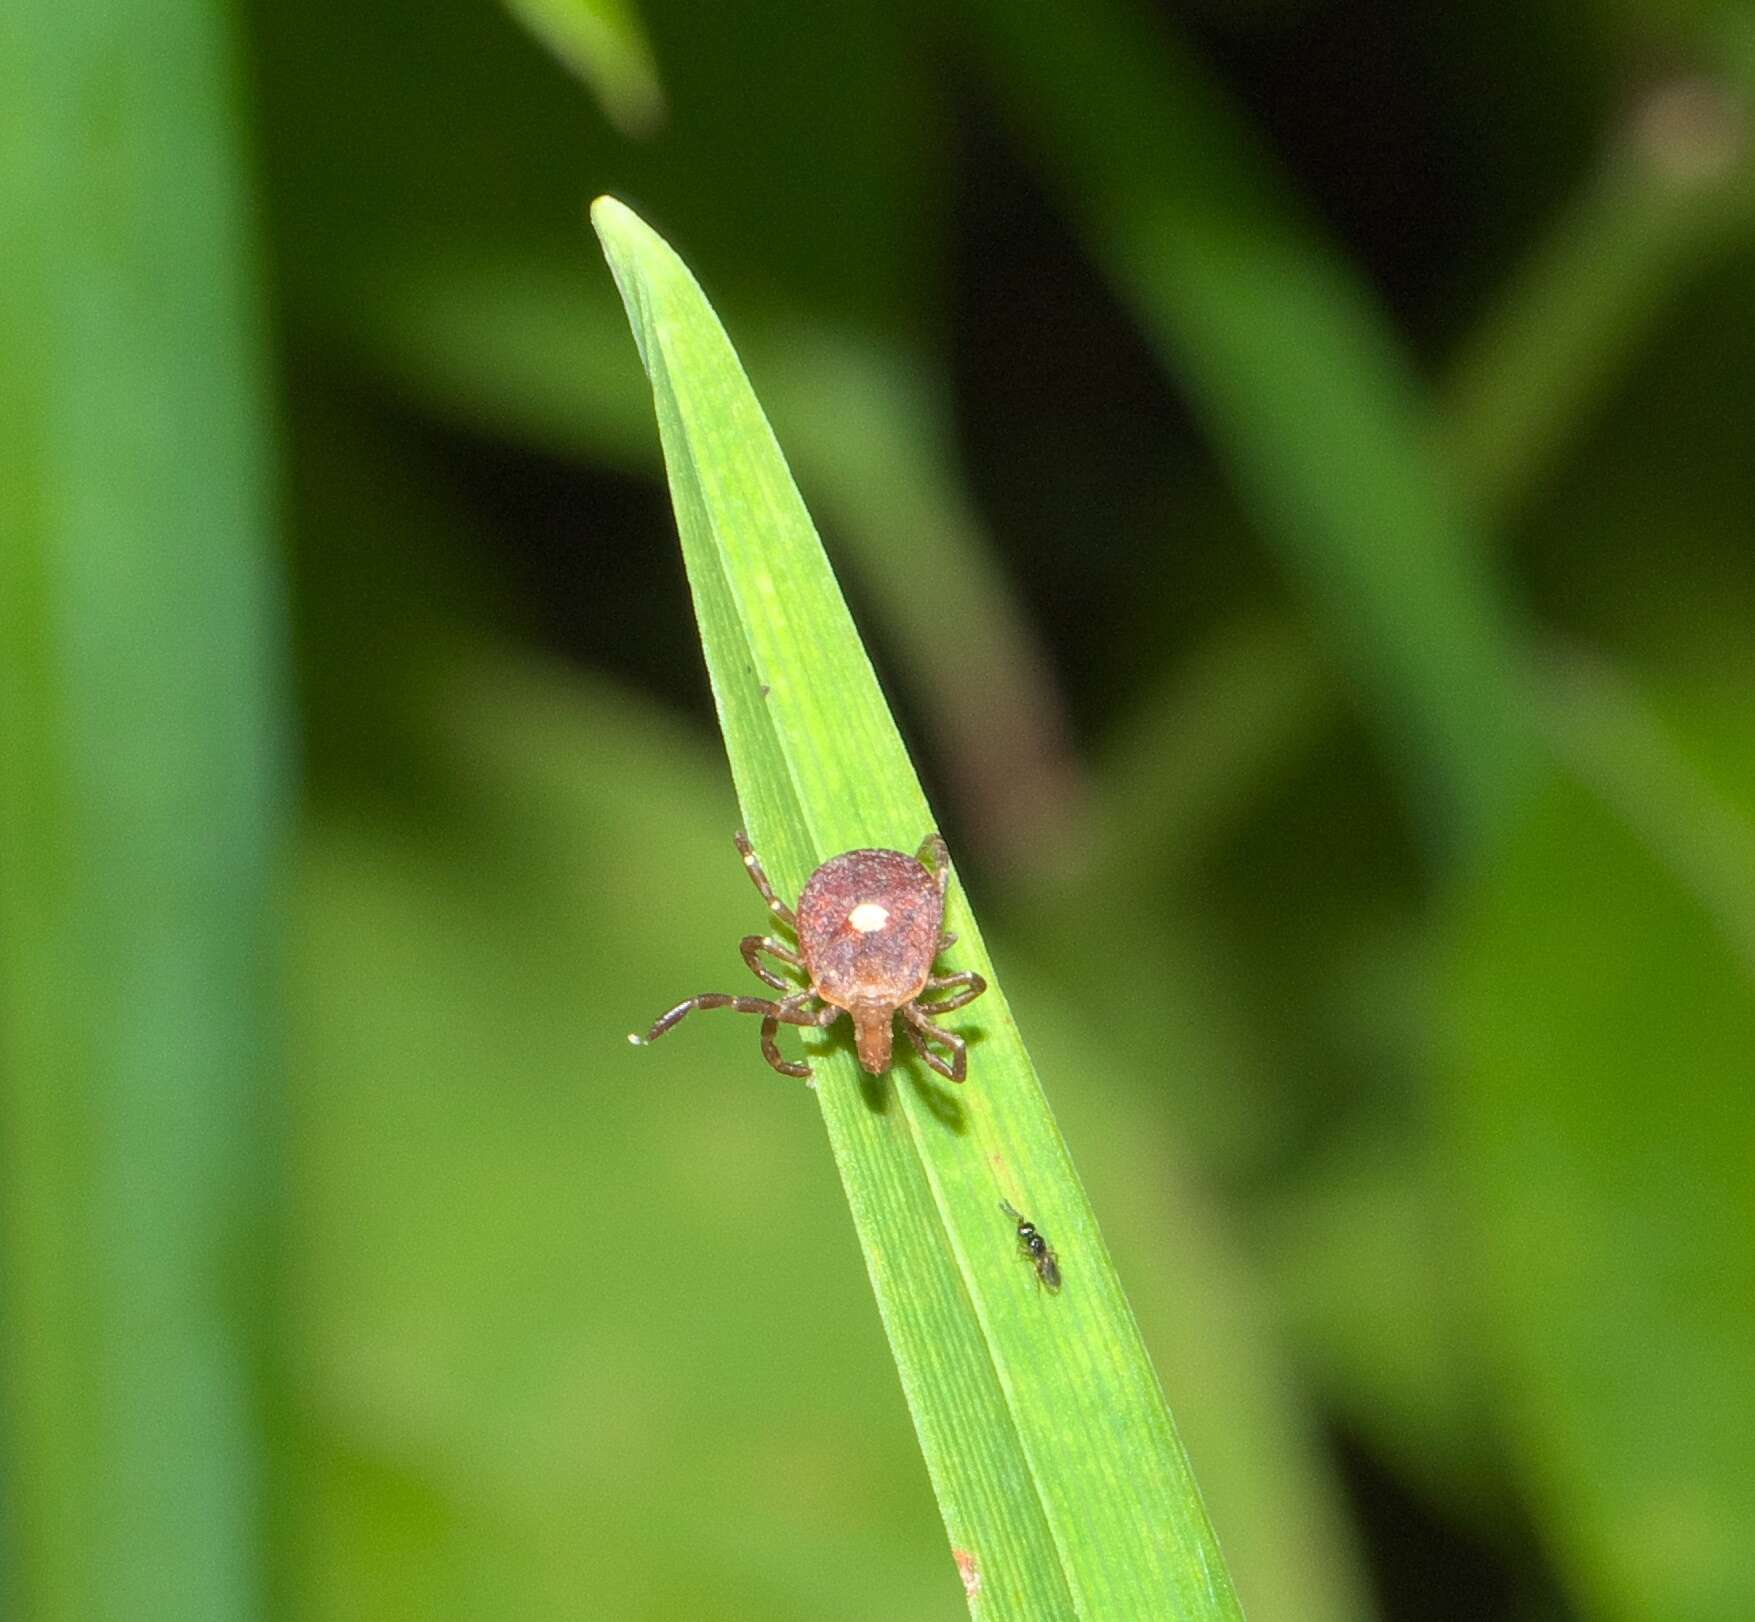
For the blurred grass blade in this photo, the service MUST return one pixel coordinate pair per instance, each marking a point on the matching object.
(1676, 187)
(870, 432)
(1205, 742)
(140, 797)
(1062, 1484)
(1603, 995)
(604, 43)
(1296, 375)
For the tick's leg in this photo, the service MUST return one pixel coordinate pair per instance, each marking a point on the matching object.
(710, 999)
(790, 1012)
(920, 1047)
(921, 1030)
(760, 879)
(935, 858)
(972, 983)
(952, 1070)
(750, 945)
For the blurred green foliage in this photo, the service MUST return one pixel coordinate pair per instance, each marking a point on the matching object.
(1333, 662)
(144, 808)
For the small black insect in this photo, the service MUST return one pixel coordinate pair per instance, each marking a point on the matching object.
(1034, 1248)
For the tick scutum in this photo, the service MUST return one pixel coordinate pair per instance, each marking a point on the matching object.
(868, 930)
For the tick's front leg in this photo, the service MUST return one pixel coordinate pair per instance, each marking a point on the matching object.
(753, 945)
(935, 857)
(707, 999)
(753, 866)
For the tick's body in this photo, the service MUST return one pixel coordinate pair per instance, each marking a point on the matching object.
(869, 925)
(1034, 1248)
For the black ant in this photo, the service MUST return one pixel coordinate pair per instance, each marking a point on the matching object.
(1034, 1247)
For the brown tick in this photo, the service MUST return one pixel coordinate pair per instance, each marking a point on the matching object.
(869, 925)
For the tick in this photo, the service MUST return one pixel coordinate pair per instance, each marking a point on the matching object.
(1035, 1248)
(869, 925)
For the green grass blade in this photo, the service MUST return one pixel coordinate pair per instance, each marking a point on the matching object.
(1674, 189)
(139, 802)
(603, 42)
(1052, 1453)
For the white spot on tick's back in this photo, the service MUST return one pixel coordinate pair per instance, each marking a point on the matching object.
(869, 917)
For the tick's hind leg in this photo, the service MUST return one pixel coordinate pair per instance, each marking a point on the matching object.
(753, 945)
(753, 865)
(972, 983)
(921, 1030)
